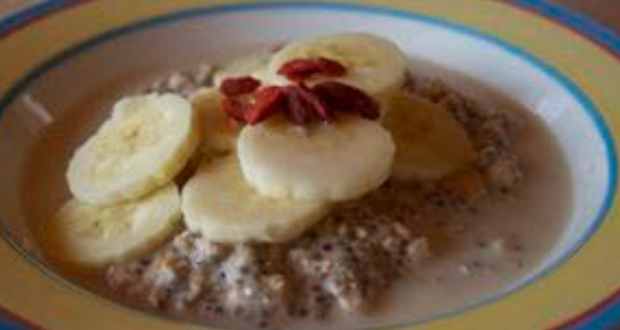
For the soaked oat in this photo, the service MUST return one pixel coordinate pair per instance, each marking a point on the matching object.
(443, 240)
(349, 260)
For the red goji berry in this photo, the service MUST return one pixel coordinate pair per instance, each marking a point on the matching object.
(331, 68)
(339, 97)
(233, 108)
(314, 101)
(267, 101)
(232, 87)
(301, 69)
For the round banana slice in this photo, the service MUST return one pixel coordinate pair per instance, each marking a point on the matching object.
(328, 161)
(430, 143)
(91, 236)
(220, 134)
(219, 203)
(374, 64)
(146, 141)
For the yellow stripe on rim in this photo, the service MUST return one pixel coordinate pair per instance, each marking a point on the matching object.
(584, 280)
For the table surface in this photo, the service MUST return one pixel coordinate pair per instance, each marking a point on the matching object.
(606, 12)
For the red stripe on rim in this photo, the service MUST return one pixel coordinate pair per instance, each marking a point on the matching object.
(589, 313)
(12, 317)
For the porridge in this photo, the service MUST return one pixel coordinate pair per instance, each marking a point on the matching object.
(473, 195)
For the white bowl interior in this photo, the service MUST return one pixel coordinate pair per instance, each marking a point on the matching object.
(213, 36)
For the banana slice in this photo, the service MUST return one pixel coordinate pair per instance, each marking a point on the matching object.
(336, 161)
(142, 146)
(374, 64)
(254, 65)
(220, 133)
(430, 143)
(89, 235)
(219, 203)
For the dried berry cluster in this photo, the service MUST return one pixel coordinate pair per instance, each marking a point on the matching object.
(247, 102)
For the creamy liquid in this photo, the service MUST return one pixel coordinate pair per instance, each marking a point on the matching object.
(471, 265)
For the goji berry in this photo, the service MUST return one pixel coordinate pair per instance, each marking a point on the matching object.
(340, 97)
(301, 69)
(232, 87)
(267, 101)
(233, 108)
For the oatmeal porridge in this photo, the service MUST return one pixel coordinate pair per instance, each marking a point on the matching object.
(472, 198)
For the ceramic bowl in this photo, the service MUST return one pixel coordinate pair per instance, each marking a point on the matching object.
(76, 54)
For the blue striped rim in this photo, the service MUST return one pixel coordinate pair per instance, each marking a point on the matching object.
(11, 325)
(590, 28)
(607, 316)
(579, 95)
(7, 24)
(25, 15)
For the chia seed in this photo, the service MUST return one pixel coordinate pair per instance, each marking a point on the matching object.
(344, 256)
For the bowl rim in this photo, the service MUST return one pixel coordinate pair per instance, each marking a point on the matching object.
(550, 71)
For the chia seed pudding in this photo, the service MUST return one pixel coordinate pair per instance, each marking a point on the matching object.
(406, 250)
(345, 262)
